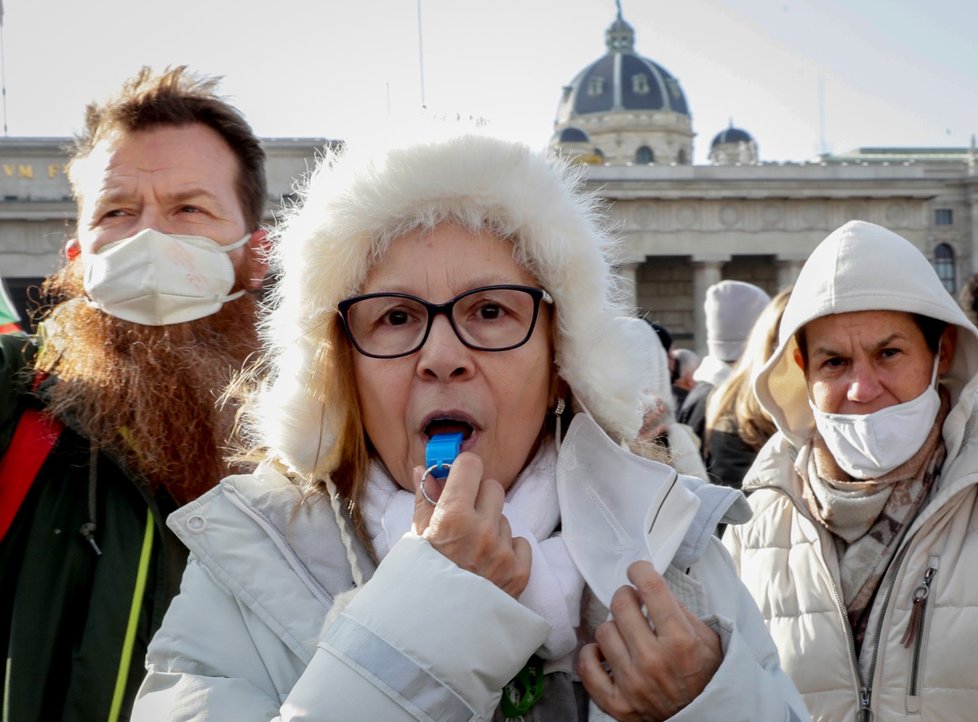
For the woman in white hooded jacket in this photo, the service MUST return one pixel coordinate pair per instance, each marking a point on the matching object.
(443, 298)
(864, 540)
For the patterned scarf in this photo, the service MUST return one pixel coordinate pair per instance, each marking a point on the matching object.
(868, 518)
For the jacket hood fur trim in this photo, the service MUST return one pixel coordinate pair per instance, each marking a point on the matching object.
(354, 205)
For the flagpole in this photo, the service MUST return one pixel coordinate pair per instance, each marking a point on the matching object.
(420, 54)
(3, 72)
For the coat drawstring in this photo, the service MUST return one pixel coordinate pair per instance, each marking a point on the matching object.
(87, 529)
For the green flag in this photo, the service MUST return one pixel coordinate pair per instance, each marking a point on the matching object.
(9, 318)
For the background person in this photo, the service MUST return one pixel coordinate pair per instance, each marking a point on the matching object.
(731, 309)
(862, 546)
(665, 340)
(112, 422)
(968, 298)
(675, 443)
(685, 363)
(457, 285)
(736, 425)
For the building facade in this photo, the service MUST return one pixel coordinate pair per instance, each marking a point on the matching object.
(686, 227)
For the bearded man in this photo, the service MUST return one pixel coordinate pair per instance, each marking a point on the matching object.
(109, 417)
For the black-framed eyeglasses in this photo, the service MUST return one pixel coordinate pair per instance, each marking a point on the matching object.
(489, 318)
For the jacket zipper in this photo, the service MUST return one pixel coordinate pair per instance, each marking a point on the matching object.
(916, 627)
(884, 602)
(865, 713)
(865, 694)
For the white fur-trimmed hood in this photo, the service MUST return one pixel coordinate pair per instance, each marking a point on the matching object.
(354, 204)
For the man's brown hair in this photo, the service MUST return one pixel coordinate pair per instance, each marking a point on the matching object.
(177, 97)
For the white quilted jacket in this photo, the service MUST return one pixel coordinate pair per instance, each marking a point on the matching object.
(788, 561)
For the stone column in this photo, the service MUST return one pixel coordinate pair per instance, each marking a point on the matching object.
(973, 198)
(788, 270)
(706, 272)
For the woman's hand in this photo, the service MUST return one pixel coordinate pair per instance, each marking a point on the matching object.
(467, 525)
(640, 672)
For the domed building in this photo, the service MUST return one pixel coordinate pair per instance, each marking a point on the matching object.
(685, 227)
(624, 108)
(733, 146)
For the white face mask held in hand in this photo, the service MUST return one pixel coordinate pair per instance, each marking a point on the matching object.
(868, 446)
(156, 279)
(617, 507)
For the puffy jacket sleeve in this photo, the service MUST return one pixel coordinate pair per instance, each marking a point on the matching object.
(750, 684)
(733, 543)
(422, 639)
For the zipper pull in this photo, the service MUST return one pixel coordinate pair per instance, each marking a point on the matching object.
(865, 713)
(916, 613)
(88, 534)
(920, 595)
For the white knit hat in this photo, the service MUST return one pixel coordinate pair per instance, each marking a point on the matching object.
(354, 205)
(732, 308)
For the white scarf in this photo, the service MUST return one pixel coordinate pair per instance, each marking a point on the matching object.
(712, 371)
(555, 586)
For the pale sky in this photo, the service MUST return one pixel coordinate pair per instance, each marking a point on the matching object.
(799, 75)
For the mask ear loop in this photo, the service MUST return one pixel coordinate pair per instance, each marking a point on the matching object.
(237, 244)
(227, 249)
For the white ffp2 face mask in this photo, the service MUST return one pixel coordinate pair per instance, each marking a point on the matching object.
(617, 507)
(868, 446)
(156, 279)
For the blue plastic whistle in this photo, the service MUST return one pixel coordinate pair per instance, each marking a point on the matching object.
(441, 452)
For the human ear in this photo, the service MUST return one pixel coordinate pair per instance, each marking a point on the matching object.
(799, 359)
(949, 342)
(72, 249)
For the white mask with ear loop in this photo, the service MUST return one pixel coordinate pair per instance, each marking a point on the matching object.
(156, 279)
(868, 446)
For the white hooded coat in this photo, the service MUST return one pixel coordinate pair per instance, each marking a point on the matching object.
(250, 636)
(788, 561)
(259, 630)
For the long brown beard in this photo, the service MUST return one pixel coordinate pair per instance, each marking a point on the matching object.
(147, 395)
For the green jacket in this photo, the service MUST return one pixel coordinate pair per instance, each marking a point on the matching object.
(75, 623)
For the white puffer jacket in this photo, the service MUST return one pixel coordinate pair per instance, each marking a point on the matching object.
(423, 639)
(788, 561)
